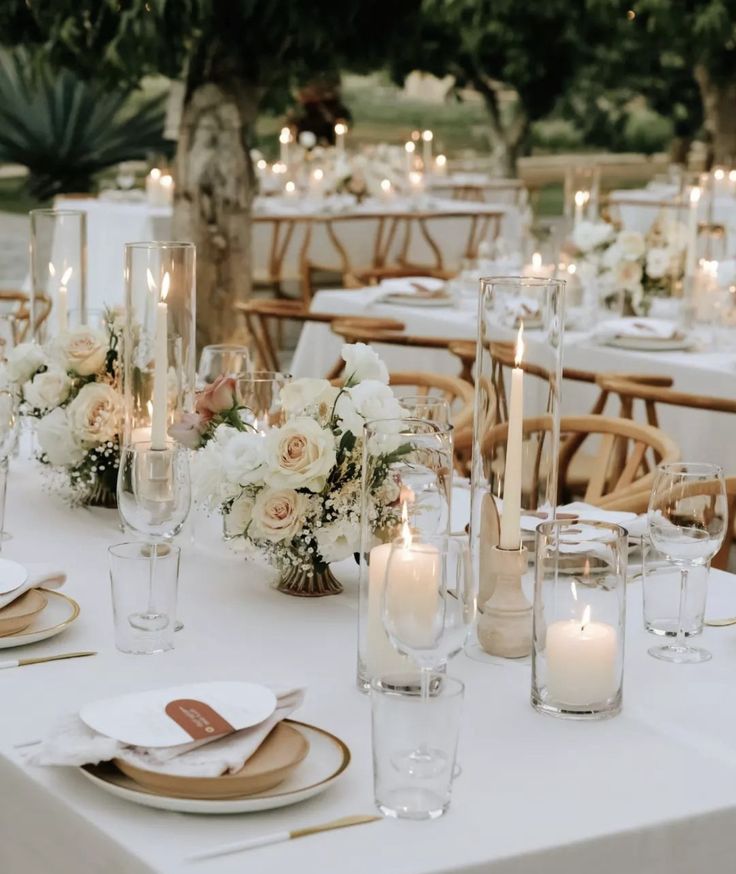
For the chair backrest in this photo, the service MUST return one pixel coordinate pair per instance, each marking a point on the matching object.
(621, 465)
(18, 303)
(458, 393)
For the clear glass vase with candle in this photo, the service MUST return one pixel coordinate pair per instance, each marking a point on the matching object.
(159, 362)
(58, 269)
(579, 619)
(516, 444)
(407, 475)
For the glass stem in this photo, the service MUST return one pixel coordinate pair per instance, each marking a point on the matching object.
(152, 578)
(680, 639)
(424, 677)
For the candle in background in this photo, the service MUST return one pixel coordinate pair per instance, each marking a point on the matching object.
(62, 297)
(581, 661)
(290, 189)
(381, 657)
(316, 178)
(537, 260)
(427, 137)
(167, 189)
(732, 181)
(416, 182)
(160, 410)
(340, 130)
(409, 148)
(387, 189)
(511, 517)
(279, 168)
(581, 198)
(284, 140)
(262, 165)
(440, 165)
(692, 233)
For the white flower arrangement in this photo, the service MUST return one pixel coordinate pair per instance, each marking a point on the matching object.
(72, 385)
(643, 266)
(292, 497)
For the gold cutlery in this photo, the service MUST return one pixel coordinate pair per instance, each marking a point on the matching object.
(19, 663)
(278, 837)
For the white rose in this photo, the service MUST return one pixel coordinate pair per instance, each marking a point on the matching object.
(361, 362)
(590, 235)
(48, 389)
(303, 394)
(83, 350)
(238, 516)
(210, 485)
(631, 244)
(612, 256)
(57, 440)
(659, 262)
(338, 541)
(373, 400)
(587, 270)
(243, 457)
(300, 454)
(95, 414)
(278, 514)
(24, 361)
(627, 275)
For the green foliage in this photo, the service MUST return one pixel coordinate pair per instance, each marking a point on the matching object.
(64, 130)
(647, 131)
(556, 135)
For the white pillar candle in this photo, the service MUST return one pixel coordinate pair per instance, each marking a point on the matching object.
(413, 590)
(581, 198)
(167, 190)
(427, 137)
(692, 233)
(340, 130)
(160, 411)
(511, 516)
(284, 140)
(381, 658)
(581, 661)
(409, 148)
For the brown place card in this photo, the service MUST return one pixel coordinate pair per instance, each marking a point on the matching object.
(198, 719)
(19, 614)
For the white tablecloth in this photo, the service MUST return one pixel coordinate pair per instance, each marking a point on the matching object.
(702, 436)
(111, 224)
(650, 791)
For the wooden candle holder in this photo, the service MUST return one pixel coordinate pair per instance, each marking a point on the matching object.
(505, 619)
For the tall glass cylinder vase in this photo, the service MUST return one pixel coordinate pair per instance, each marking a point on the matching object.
(159, 362)
(579, 619)
(58, 269)
(406, 480)
(516, 445)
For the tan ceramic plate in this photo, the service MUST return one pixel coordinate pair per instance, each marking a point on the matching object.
(19, 614)
(277, 756)
(58, 614)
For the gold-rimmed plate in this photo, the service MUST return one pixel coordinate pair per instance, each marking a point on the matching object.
(326, 762)
(58, 614)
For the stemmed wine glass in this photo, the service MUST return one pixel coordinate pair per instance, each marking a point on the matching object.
(154, 498)
(222, 359)
(8, 439)
(429, 605)
(686, 519)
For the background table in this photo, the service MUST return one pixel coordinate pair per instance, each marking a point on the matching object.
(652, 790)
(702, 436)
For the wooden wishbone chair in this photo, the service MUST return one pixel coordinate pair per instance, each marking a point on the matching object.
(18, 304)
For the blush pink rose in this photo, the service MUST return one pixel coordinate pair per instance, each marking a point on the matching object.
(216, 398)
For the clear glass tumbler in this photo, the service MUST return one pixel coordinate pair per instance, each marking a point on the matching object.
(407, 783)
(135, 593)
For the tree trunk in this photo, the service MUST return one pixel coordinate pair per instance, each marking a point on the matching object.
(214, 194)
(719, 113)
(509, 138)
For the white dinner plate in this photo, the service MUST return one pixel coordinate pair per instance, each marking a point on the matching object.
(56, 617)
(651, 344)
(327, 760)
(12, 576)
(410, 300)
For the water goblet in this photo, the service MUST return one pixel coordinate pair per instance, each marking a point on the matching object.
(686, 520)
(222, 359)
(154, 498)
(259, 395)
(429, 407)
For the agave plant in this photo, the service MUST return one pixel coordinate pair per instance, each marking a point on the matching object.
(65, 130)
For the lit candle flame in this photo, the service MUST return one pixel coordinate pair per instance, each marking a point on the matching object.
(732, 175)
(519, 346)
(285, 135)
(581, 198)
(318, 174)
(166, 282)
(440, 160)
(586, 618)
(405, 527)
(427, 136)
(385, 185)
(261, 164)
(290, 187)
(694, 194)
(155, 174)
(536, 260)
(415, 177)
(410, 147)
(167, 181)
(341, 129)
(719, 174)
(66, 276)
(572, 269)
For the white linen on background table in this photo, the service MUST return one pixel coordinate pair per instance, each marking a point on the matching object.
(701, 435)
(650, 791)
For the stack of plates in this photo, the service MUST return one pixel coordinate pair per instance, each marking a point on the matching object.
(35, 614)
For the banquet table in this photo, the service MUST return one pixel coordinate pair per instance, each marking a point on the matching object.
(698, 372)
(112, 223)
(651, 790)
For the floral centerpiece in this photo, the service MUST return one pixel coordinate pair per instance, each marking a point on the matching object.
(71, 385)
(291, 497)
(642, 266)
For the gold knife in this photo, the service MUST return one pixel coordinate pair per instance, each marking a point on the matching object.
(278, 837)
(19, 663)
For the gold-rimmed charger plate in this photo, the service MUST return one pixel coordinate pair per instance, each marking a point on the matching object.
(58, 614)
(326, 762)
(271, 764)
(18, 615)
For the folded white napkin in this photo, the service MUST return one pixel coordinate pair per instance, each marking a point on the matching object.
(37, 576)
(408, 284)
(658, 329)
(74, 743)
(635, 525)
